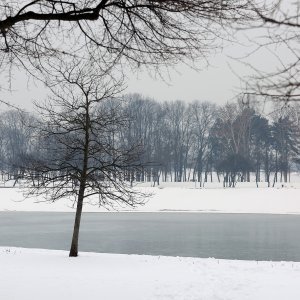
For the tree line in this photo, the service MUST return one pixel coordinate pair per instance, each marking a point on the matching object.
(177, 141)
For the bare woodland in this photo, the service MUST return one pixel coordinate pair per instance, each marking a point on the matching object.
(171, 141)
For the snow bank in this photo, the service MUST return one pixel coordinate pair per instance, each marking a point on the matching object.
(31, 274)
(242, 199)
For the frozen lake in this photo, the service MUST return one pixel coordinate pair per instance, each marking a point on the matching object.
(228, 236)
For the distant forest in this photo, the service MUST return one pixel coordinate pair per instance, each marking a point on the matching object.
(179, 141)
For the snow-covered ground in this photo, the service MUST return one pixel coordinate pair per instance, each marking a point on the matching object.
(46, 274)
(245, 198)
(30, 274)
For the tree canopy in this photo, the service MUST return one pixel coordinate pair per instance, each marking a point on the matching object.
(35, 34)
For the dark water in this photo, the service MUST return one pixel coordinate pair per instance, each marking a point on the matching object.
(230, 236)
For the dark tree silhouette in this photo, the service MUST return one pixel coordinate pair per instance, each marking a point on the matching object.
(261, 150)
(234, 166)
(81, 153)
(38, 34)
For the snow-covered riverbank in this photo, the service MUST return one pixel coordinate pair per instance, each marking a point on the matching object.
(31, 274)
(179, 197)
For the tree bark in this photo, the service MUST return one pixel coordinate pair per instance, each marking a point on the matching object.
(75, 238)
(83, 179)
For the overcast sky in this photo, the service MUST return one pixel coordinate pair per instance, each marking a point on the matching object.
(216, 83)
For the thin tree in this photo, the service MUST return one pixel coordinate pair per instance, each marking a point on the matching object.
(81, 156)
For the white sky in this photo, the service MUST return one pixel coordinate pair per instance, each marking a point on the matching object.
(216, 83)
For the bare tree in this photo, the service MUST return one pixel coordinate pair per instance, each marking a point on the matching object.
(178, 123)
(144, 129)
(17, 140)
(80, 154)
(35, 34)
(280, 20)
(203, 117)
(232, 131)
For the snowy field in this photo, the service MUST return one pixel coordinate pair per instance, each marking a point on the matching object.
(30, 274)
(245, 198)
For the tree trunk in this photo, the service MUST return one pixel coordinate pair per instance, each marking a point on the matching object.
(75, 238)
(83, 180)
